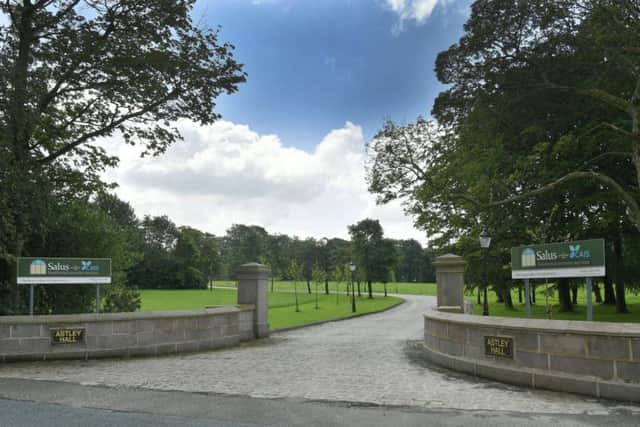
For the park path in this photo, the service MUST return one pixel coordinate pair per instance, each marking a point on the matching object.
(367, 360)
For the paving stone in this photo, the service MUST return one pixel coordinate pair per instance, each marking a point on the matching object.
(629, 371)
(26, 331)
(564, 344)
(532, 360)
(571, 385)
(609, 348)
(635, 349)
(576, 365)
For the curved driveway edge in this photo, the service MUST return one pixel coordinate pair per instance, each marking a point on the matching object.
(322, 322)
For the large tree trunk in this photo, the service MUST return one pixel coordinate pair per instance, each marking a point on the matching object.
(478, 294)
(519, 294)
(621, 302)
(609, 295)
(308, 286)
(499, 296)
(564, 295)
(359, 294)
(597, 293)
(19, 180)
(533, 294)
(326, 286)
(508, 301)
(370, 289)
(574, 295)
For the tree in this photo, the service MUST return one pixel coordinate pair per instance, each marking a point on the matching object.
(158, 267)
(277, 255)
(295, 273)
(307, 255)
(319, 275)
(411, 264)
(340, 274)
(244, 243)
(190, 271)
(81, 229)
(368, 250)
(585, 50)
(563, 75)
(389, 259)
(535, 135)
(73, 71)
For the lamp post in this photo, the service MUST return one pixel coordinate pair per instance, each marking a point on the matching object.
(485, 241)
(352, 267)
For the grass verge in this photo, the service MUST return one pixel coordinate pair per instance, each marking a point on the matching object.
(282, 312)
(409, 288)
(601, 312)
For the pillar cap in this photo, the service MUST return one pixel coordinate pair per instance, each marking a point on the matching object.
(448, 260)
(253, 268)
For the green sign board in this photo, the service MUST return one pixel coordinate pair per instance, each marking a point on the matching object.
(583, 258)
(39, 271)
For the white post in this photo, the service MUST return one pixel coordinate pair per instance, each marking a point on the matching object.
(30, 300)
(97, 298)
(527, 311)
(589, 301)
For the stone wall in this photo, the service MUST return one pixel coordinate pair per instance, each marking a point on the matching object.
(83, 336)
(125, 334)
(594, 358)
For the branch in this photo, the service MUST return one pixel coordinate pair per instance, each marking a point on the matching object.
(617, 129)
(635, 98)
(572, 176)
(71, 69)
(105, 129)
(604, 96)
(608, 154)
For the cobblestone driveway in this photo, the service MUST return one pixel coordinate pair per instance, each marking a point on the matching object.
(365, 360)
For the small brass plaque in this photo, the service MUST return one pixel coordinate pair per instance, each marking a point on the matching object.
(498, 346)
(67, 336)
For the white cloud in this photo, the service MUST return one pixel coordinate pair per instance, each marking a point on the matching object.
(226, 173)
(330, 61)
(413, 10)
(4, 19)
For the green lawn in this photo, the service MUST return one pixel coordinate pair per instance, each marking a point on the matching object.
(396, 288)
(604, 313)
(282, 312)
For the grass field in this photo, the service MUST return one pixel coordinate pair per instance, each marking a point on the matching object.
(394, 288)
(603, 313)
(282, 312)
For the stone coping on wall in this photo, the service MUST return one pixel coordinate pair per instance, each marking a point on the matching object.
(110, 317)
(600, 359)
(536, 378)
(542, 325)
(88, 336)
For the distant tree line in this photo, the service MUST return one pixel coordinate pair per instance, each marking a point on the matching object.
(155, 253)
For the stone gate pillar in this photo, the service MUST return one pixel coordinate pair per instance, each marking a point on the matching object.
(450, 282)
(253, 286)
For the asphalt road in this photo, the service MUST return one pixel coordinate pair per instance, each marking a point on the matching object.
(47, 403)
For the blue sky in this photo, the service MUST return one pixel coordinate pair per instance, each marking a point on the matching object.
(314, 64)
(288, 153)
